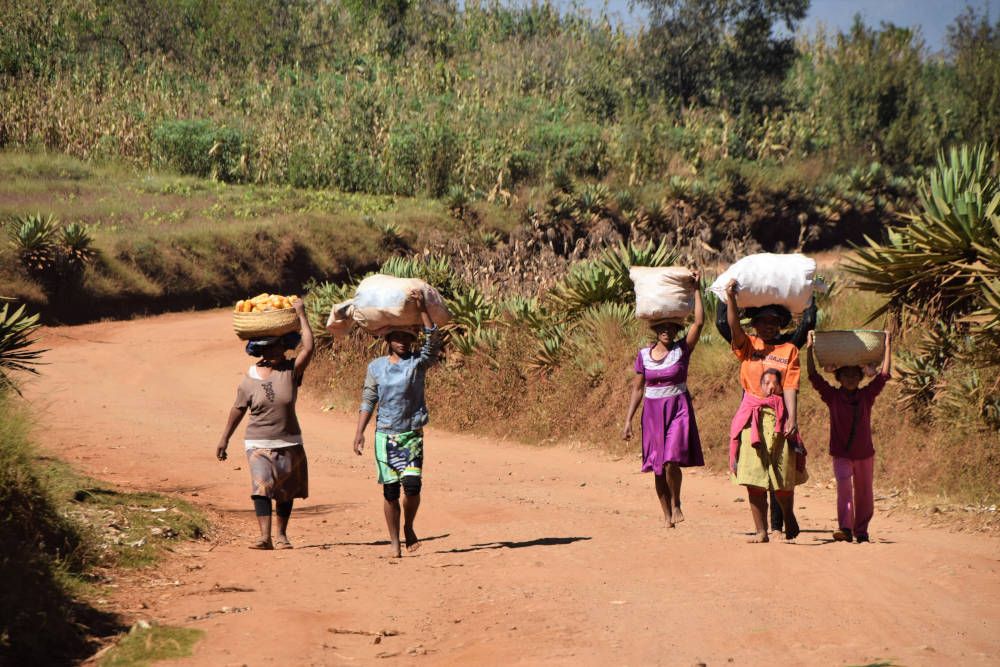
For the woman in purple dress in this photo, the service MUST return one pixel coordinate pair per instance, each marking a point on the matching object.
(669, 431)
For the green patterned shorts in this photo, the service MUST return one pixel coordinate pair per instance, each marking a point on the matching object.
(398, 455)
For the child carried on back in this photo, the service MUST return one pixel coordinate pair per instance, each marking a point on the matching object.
(851, 440)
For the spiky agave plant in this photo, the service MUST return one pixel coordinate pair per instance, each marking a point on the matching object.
(432, 269)
(933, 266)
(17, 353)
(34, 240)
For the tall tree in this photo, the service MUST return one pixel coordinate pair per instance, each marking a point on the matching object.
(720, 52)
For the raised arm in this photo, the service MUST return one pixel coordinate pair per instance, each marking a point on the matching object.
(733, 316)
(887, 359)
(432, 341)
(694, 333)
(806, 325)
(810, 360)
(305, 354)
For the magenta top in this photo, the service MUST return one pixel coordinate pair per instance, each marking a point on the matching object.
(850, 416)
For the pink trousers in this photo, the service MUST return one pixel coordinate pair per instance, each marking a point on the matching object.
(855, 498)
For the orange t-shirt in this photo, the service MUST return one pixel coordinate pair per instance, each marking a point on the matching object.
(757, 356)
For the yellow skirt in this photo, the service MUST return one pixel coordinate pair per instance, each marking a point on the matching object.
(770, 466)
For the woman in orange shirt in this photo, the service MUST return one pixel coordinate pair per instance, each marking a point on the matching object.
(763, 458)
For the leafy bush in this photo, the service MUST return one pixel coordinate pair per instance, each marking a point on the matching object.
(199, 148)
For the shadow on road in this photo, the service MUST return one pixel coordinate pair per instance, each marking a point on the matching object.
(375, 543)
(539, 542)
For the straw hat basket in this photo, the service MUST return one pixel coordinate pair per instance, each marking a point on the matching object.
(849, 348)
(269, 323)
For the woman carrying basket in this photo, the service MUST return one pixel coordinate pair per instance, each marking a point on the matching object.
(277, 458)
(396, 383)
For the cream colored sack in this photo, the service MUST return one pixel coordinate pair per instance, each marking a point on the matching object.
(383, 303)
(767, 279)
(662, 292)
(341, 319)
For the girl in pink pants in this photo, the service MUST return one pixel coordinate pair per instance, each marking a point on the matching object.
(851, 440)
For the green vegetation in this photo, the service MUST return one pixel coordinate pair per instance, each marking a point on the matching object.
(145, 645)
(82, 242)
(418, 97)
(16, 330)
(940, 273)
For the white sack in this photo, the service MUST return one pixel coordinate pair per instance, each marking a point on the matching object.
(341, 319)
(383, 303)
(768, 279)
(662, 292)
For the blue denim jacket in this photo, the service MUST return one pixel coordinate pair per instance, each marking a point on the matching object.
(399, 388)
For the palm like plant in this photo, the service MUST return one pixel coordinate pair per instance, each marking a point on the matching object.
(16, 329)
(33, 239)
(934, 266)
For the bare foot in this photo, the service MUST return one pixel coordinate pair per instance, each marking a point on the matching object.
(759, 538)
(677, 515)
(395, 551)
(262, 544)
(412, 541)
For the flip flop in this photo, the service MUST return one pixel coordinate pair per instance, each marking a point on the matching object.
(263, 545)
(283, 544)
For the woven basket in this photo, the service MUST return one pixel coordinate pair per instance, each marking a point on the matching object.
(269, 323)
(849, 348)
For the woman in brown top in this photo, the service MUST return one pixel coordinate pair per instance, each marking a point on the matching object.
(273, 438)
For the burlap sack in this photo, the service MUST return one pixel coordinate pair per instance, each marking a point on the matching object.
(768, 279)
(662, 292)
(383, 303)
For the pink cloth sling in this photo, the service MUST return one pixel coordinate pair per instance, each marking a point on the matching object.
(750, 412)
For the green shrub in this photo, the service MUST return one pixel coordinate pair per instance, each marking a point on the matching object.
(200, 148)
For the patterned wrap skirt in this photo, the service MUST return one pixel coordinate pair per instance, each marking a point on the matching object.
(399, 455)
(281, 473)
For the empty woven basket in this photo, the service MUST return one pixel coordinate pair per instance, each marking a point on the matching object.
(269, 323)
(849, 348)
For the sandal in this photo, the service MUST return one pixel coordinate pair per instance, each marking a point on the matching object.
(842, 535)
(283, 544)
(264, 545)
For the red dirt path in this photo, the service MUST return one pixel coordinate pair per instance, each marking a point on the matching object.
(538, 556)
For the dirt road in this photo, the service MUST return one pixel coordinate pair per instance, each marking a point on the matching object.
(532, 555)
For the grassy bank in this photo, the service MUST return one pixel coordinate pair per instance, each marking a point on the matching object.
(168, 243)
(62, 534)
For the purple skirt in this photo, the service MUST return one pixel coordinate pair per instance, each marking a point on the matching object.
(669, 433)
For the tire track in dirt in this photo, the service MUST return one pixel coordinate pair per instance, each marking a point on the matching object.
(534, 555)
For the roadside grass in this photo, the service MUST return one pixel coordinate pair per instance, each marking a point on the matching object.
(145, 645)
(167, 242)
(61, 535)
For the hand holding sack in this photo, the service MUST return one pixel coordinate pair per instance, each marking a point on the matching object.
(663, 292)
(767, 279)
(383, 303)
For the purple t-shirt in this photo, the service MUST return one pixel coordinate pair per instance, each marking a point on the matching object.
(850, 413)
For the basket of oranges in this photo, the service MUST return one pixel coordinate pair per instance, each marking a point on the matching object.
(265, 315)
